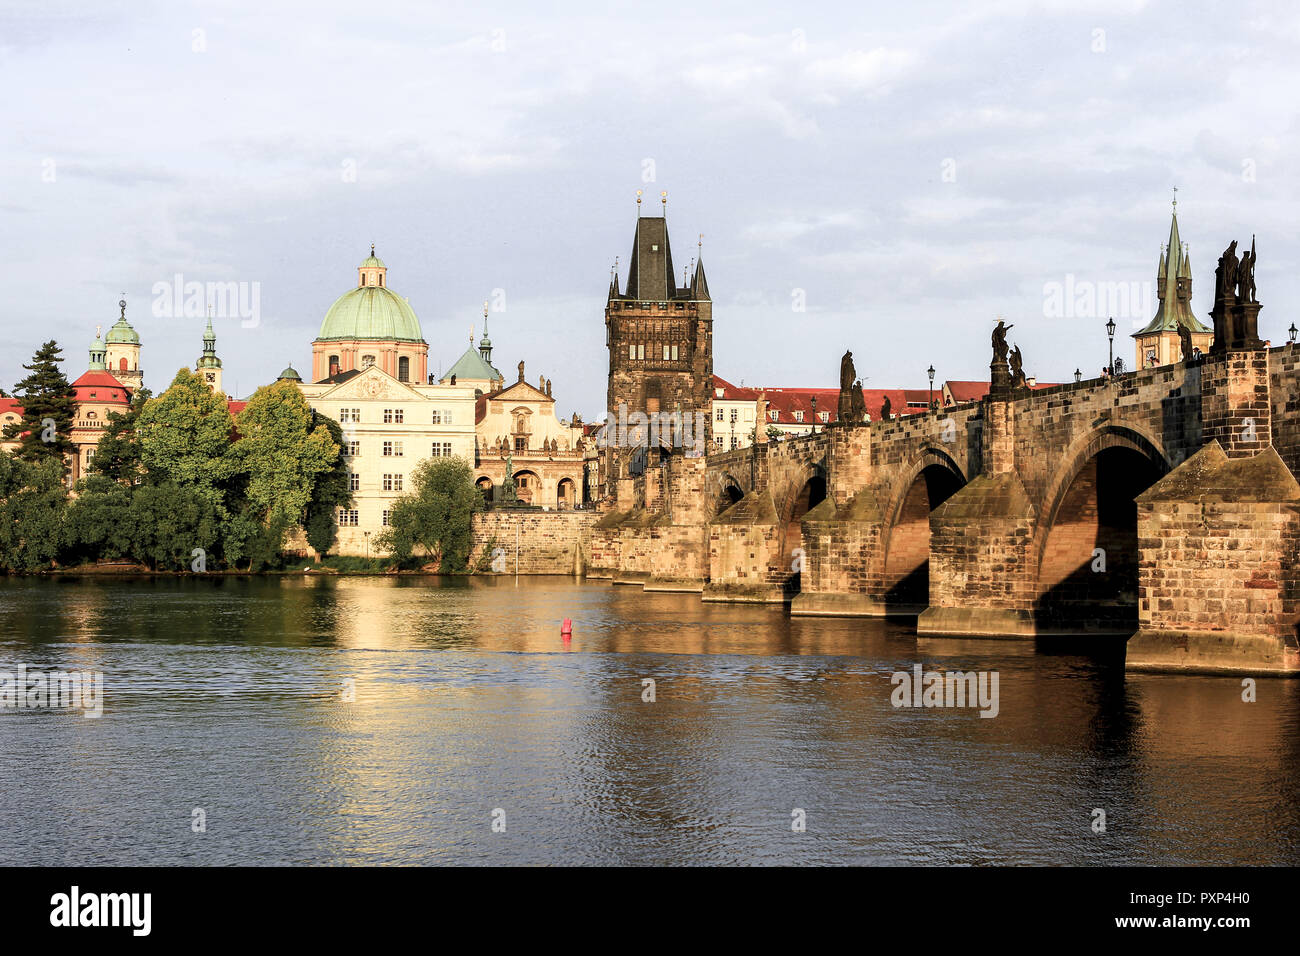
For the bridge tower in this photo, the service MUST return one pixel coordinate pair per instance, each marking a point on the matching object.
(660, 340)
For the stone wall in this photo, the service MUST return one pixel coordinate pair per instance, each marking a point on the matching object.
(548, 542)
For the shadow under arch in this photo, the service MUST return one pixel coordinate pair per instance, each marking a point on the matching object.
(1085, 548)
(931, 479)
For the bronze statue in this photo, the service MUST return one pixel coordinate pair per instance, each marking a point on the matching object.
(1000, 341)
(844, 412)
(1246, 274)
(886, 409)
(857, 404)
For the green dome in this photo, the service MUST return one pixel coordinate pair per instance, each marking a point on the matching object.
(122, 334)
(372, 261)
(289, 374)
(371, 313)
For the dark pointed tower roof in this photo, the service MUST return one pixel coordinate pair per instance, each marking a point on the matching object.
(699, 285)
(650, 273)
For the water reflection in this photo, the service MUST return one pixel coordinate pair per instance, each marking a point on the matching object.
(225, 693)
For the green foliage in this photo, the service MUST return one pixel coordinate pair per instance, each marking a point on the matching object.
(168, 522)
(280, 454)
(330, 493)
(33, 503)
(484, 562)
(118, 454)
(435, 519)
(47, 400)
(185, 436)
(96, 527)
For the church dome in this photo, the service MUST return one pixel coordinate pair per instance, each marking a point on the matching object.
(289, 375)
(372, 311)
(121, 333)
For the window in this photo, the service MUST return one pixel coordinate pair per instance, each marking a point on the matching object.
(640, 351)
(666, 352)
(774, 415)
(436, 417)
(735, 412)
(441, 449)
(392, 482)
(735, 442)
(631, 351)
(349, 517)
(674, 353)
(521, 443)
(798, 416)
(392, 449)
(347, 415)
(824, 416)
(718, 441)
(334, 365)
(718, 415)
(354, 482)
(91, 415)
(403, 363)
(523, 481)
(90, 453)
(388, 515)
(393, 416)
(352, 449)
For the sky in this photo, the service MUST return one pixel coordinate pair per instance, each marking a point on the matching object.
(886, 179)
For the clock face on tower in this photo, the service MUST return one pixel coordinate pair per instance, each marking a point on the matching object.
(212, 377)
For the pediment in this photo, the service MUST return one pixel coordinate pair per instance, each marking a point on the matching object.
(521, 392)
(373, 384)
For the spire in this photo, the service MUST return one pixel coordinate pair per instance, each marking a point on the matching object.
(97, 351)
(1174, 284)
(209, 357)
(485, 343)
(699, 285)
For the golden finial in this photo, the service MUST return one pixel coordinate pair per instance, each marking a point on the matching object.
(663, 197)
(638, 203)
(372, 248)
(485, 311)
(97, 330)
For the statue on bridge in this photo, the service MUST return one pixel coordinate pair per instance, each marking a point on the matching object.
(1017, 369)
(1000, 341)
(1246, 275)
(886, 408)
(857, 404)
(1236, 309)
(1185, 340)
(844, 411)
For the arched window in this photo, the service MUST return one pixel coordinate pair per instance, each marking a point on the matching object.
(403, 369)
(122, 365)
(381, 280)
(334, 365)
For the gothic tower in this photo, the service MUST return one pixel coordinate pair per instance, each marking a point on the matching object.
(660, 339)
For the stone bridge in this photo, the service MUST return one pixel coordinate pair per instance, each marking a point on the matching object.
(1158, 506)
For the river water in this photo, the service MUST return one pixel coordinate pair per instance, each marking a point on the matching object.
(476, 735)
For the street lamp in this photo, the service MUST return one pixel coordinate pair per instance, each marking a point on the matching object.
(814, 413)
(1110, 334)
(930, 372)
(1291, 333)
(1078, 376)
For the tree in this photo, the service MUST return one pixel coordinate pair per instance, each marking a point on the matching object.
(774, 433)
(331, 492)
(185, 436)
(97, 526)
(33, 501)
(48, 403)
(118, 454)
(281, 454)
(436, 516)
(168, 522)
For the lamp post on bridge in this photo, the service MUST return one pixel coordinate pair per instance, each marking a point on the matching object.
(1291, 332)
(814, 414)
(1078, 376)
(930, 372)
(1110, 334)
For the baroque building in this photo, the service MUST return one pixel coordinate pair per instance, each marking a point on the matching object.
(660, 340)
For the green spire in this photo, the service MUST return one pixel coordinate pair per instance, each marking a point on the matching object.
(209, 357)
(97, 352)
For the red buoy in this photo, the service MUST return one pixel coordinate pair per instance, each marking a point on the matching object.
(566, 629)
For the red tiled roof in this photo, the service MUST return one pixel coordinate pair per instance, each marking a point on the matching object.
(963, 392)
(235, 406)
(10, 405)
(100, 386)
(787, 401)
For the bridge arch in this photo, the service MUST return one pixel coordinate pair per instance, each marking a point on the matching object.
(929, 480)
(1085, 547)
(729, 491)
(806, 491)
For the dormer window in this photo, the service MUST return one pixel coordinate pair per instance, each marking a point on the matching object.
(798, 416)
